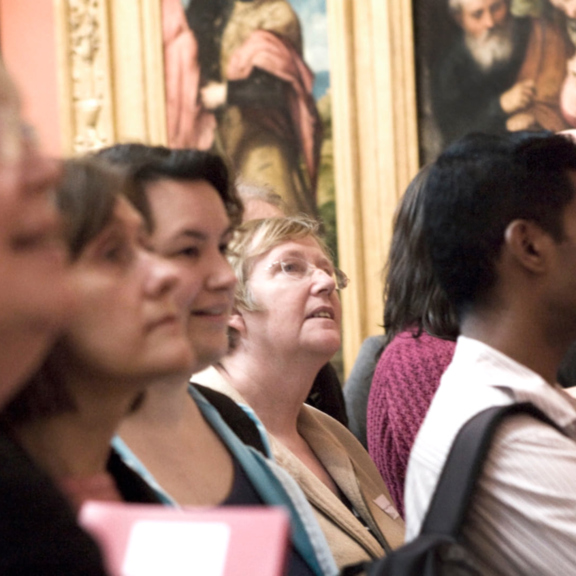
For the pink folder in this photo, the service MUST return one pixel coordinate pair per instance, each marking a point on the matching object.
(156, 540)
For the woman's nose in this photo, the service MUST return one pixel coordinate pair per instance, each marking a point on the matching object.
(323, 281)
(164, 276)
(222, 275)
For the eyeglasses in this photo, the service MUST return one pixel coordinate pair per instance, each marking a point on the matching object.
(298, 268)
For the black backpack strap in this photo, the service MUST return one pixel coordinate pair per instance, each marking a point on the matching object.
(462, 468)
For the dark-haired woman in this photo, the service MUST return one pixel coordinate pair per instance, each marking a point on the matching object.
(180, 440)
(421, 329)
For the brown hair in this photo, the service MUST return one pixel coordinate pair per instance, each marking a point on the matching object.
(86, 198)
(148, 164)
(413, 297)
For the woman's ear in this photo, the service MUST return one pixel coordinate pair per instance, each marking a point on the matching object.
(236, 321)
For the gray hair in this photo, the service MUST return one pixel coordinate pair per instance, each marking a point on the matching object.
(455, 6)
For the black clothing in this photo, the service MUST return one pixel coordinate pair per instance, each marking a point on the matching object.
(567, 370)
(131, 486)
(208, 20)
(240, 423)
(326, 394)
(243, 494)
(261, 91)
(38, 530)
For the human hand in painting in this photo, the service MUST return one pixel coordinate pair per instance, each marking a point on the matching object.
(521, 121)
(214, 95)
(514, 101)
(518, 97)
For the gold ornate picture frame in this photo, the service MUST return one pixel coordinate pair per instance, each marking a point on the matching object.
(110, 72)
(112, 90)
(375, 146)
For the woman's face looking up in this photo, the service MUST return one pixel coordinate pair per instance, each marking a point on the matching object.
(298, 309)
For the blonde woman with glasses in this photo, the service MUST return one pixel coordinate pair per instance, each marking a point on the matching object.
(284, 328)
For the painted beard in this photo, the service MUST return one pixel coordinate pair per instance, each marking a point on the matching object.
(492, 48)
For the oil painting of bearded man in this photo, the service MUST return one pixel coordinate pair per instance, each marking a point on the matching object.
(500, 72)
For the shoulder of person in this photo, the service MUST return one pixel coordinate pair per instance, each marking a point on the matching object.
(235, 417)
(312, 417)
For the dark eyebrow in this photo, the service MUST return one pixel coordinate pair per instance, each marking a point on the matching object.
(197, 235)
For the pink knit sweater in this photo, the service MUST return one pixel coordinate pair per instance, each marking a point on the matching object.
(406, 378)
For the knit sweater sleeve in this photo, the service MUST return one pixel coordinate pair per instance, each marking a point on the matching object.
(406, 378)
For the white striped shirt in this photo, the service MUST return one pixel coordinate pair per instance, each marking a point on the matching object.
(523, 516)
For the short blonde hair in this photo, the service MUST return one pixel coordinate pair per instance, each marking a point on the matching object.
(256, 238)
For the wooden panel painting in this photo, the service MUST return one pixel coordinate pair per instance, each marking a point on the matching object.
(251, 79)
(493, 66)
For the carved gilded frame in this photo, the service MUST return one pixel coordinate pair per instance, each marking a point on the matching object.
(111, 77)
(110, 72)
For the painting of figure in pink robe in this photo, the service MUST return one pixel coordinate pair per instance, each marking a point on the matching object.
(250, 79)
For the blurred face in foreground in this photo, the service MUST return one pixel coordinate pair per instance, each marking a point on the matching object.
(127, 326)
(192, 230)
(34, 285)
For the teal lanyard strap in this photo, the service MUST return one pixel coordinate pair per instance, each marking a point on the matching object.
(263, 479)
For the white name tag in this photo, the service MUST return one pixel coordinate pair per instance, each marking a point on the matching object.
(176, 548)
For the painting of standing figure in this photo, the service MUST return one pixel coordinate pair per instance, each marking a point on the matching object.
(238, 80)
(490, 66)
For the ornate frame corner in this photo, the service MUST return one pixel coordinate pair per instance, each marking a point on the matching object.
(110, 65)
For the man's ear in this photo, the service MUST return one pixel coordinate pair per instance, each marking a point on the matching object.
(528, 244)
(236, 321)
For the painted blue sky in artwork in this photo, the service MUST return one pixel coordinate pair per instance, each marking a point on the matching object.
(312, 14)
